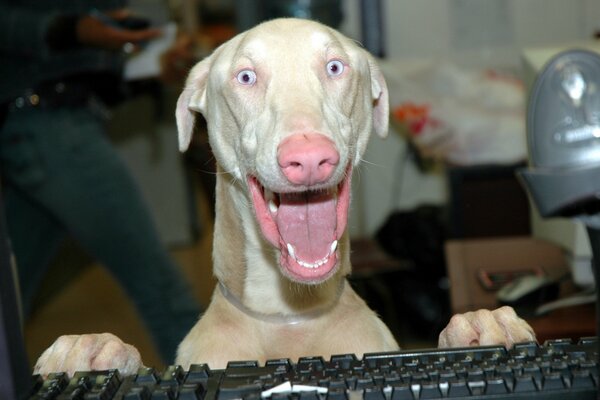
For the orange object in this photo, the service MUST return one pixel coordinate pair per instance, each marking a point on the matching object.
(414, 116)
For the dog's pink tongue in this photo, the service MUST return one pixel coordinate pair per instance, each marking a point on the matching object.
(307, 221)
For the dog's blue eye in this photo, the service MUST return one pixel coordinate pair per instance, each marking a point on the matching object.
(246, 77)
(335, 68)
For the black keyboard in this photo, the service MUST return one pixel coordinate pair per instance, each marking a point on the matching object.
(560, 369)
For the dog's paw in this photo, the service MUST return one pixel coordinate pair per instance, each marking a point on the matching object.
(101, 351)
(484, 327)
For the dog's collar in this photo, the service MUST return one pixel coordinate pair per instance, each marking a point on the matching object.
(277, 318)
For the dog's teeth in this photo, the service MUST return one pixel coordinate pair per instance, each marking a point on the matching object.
(272, 206)
(316, 264)
(307, 265)
(270, 199)
(333, 247)
(290, 249)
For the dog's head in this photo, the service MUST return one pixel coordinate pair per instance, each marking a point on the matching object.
(290, 105)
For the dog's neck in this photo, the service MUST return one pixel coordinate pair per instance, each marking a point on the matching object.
(279, 318)
(247, 265)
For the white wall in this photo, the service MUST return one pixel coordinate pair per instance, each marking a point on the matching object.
(471, 33)
(426, 28)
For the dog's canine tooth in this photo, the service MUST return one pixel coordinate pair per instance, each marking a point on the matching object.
(333, 247)
(270, 199)
(291, 251)
(272, 206)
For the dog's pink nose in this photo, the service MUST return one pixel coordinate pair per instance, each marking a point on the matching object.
(307, 158)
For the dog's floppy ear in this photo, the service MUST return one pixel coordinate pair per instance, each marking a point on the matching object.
(381, 105)
(193, 98)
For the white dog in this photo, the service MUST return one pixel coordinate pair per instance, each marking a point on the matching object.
(290, 106)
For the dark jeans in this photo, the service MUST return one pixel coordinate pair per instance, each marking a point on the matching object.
(61, 176)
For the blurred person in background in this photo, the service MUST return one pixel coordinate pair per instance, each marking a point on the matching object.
(61, 68)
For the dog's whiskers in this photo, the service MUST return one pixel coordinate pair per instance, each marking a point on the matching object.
(217, 173)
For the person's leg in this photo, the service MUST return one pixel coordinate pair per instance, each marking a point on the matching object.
(90, 191)
(34, 233)
(35, 238)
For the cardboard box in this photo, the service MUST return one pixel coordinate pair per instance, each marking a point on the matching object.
(466, 258)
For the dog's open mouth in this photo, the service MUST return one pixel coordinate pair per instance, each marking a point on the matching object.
(304, 226)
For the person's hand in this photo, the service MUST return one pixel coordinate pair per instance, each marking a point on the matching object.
(94, 31)
(176, 62)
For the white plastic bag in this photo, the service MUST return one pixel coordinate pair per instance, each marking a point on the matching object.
(461, 116)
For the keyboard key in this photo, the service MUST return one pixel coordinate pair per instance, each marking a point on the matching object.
(552, 381)
(458, 389)
(496, 386)
(588, 365)
(337, 394)
(55, 384)
(345, 361)
(475, 374)
(311, 363)
(430, 391)
(402, 392)
(309, 395)
(392, 380)
(419, 377)
(524, 383)
(337, 384)
(235, 389)
(362, 383)
(242, 364)
(373, 393)
(477, 388)
(146, 375)
(282, 365)
(374, 360)
(197, 373)
(582, 379)
(81, 379)
(75, 394)
(250, 372)
(588, 341)
(191, 392)
(160, 393)
(324, 382)
(447, 375)
(172, 376)
(504, 371)
(138, 393)
(351, 382)
(525, 348)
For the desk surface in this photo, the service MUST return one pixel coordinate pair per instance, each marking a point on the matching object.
(571, 322)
